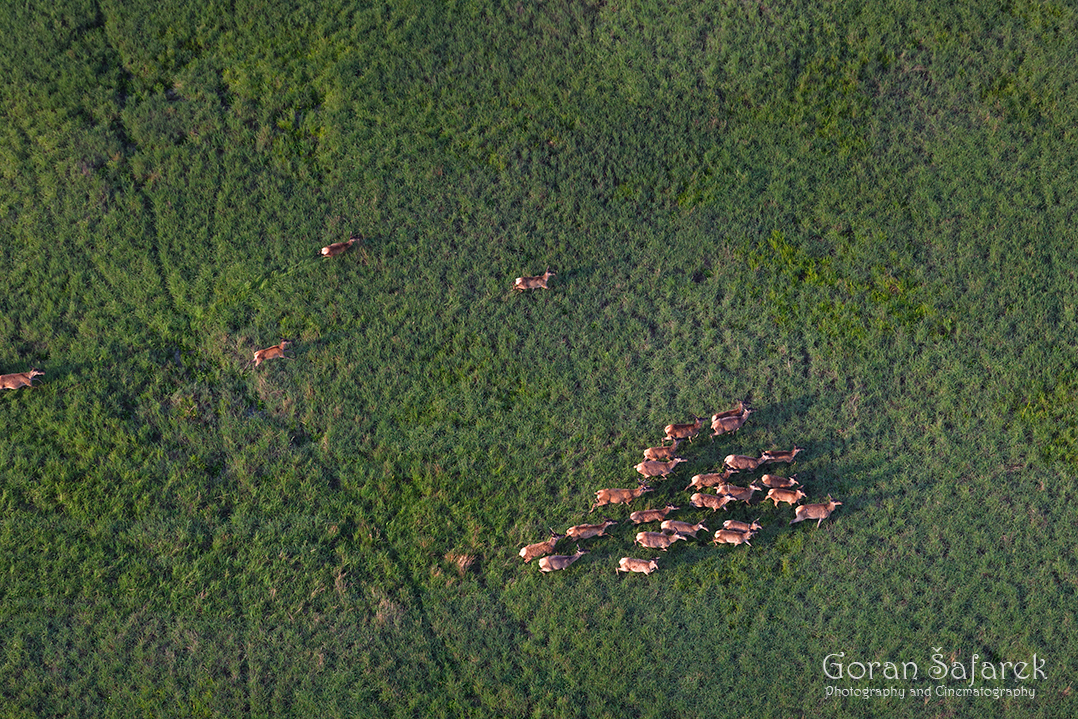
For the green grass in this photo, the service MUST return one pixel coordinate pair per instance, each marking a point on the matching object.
(856, 217)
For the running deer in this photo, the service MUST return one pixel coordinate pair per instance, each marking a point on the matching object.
(714, 502)
(657, 540)
(651, 515)
(587, 531)
(741, 462)
(631, 564)
(271, 352)
(337, 248)
(19, 379)
(678, 527)
(732, 536)
(729, 421)
(538, 549)
(725, 488)
(617, 496)
(664, 452)
(789, 496)
(684, 431)
(773, 481)
(818, 512)
(780, 456)
(554, 562)
(658, 469)
(741, 407)
(533, 283)
(703, 481)
(742, 494)
(735, 525)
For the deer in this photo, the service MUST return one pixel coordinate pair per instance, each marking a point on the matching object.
(714, 502)
(271, 352)
(651, 515)
(703, 481)
(657, 540)
(617, 496)
(664, 452)
(789, 496)
(741, 462)
(819, 512)
(737, 526)
(337, 248)
(684, 431)
(729, 421)
(587, 531)
(769, 456)
(631, 564)
(773, 481)
(678, 527)
(741, 407)
(533, 283)
(554, 562)
(20, 379)
(731, 536)
(723, 425)
(724, 488)
(538, 549)
(742, 494)
(655, 468)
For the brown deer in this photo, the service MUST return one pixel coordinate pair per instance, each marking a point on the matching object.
(789, 496)
(731, 536)
(271, 352)
(741, 462)
(678, 527)
(713, 502)
(617, 496)
(725, 488)
(631, 564)
(780, 456)
(729, 421)
(337, 248)
(554, 562)
(684, 431)
(703, 481)
(819, 512)
(657, 540)
(664, 452)
(587, 531)
(741, 407)
(773, 481)
(533, 283)
(658, 469)
(737, 526)
(651, 515)
(538, 549)
(742, 494)
(20, 379)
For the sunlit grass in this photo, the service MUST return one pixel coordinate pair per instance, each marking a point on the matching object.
(855, 218)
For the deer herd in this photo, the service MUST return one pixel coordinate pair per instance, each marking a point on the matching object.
(661, 461)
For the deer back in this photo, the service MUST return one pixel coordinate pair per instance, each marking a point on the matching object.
(729, 536)
(15, 380)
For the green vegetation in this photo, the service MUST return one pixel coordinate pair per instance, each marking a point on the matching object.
(857, 216)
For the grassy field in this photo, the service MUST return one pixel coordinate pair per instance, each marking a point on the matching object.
(859, 217)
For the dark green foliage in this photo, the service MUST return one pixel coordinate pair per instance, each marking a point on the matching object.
(857, 217)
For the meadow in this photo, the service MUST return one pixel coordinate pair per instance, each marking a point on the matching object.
(858, 217)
